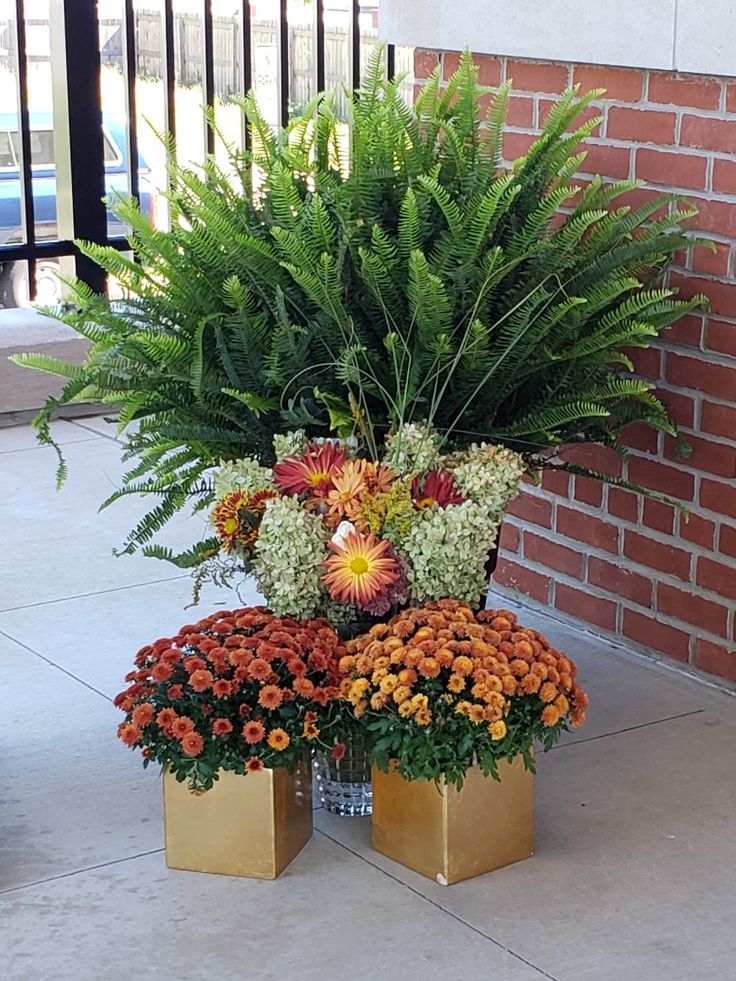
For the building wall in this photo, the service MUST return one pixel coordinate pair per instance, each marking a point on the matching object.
(631, 567)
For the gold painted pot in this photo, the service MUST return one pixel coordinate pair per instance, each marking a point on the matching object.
(247, 824)
(450, 835)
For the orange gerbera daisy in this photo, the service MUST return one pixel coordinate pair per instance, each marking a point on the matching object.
(348, 487)
(278, 739)
(254, 765)
(253, 732)
(359, 571)
(312, 471)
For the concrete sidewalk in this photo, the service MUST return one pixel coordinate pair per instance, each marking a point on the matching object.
(633, 878)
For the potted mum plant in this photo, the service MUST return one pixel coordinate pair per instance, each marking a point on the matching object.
(230, 708)
(454, 702)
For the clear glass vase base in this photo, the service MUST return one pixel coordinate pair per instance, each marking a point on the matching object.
(344, 787)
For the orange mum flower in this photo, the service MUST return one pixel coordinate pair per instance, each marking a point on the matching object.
(221, 688)
(192, 744)
(201, 680)
(254, 765)
(311, 731)
(181, 726)
(550, 715)
(258, 669)
(221, 727)
(428, 667)
(303, 687)
(253, 732)
(162, 671)
(143, 714)
(548, 692)
(174, 692)
(477, 714)
(129, 733)
(360, 571)
(270, 697)
(455, 683)
(165, 718)
(312, 471)
(278, 739)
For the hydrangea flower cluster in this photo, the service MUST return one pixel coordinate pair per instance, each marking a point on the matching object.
(490, 475)
(241, 475)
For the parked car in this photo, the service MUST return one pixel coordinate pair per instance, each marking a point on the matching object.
(13, 284)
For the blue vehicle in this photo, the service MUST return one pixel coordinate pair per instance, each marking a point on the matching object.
(13, 285)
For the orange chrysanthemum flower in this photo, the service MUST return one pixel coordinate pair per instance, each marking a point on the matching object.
(258, 669)
(303, 687)
(192, 744)
(129, 733)
(181, 726)
(270, 697)
(311, 731)
(221, 727)
(143, 715)
(550, 715)
(201, 680)
(254, 765)
(359, 571)
(278, 739)
(162, 671)
(165, 719)
(312, 472)
(253, 732)
(455, 683)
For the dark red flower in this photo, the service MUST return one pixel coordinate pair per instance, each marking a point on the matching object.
(437, 487)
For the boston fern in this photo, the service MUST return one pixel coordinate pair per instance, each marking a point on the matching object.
(349, 281)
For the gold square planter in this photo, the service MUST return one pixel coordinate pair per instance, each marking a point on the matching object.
(250, 825)
(451, 835)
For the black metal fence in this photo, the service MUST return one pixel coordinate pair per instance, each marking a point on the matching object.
(181, 49)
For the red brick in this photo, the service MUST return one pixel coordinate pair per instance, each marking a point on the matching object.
(671, 169)
(692, 608)
(489, 69)
(680, 407)
(687, 330)
(609, 161)
(595, 457)
(701, 375)
(523, 580)
(718, 217)
(659, 516)
(425, 62)
(521, 112)
(556, 482)
(639, 436)
(715, 659)
(624, 582)
(721, 337)
(581, 604)
(588, 491)
(537, 510)
(624, 84)
(724, 176)
(713, 263)
(718, 419)
(731, 97)
(517, 145)
(708, 133)
(647, 361)
(717, 577)
(693, 528)
(705, 455)
(587, 528)
(718, 497)
(623, 504)
(537, 76)
(509, 537)
(641, 126)
(657, 555)
(662, 478)
(684, 90)
(658, 636)
(727, 540)
(544, 551)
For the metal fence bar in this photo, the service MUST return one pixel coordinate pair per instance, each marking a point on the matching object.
(283, 61)
(246, 62)
(319, 28)
(170, 67)
(86, 145)
(208, 73)
(391, 62)
(24, 128)
(355, 44)
(129, 68)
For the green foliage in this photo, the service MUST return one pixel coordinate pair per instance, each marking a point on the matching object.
(420, 283)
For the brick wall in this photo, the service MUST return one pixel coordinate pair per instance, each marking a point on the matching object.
(631, 567)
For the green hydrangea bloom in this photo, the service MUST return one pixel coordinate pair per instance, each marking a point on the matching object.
(287, 555)
(447, 549)
(289, 444)
(246, 474)
(489, 475)
(413, 448)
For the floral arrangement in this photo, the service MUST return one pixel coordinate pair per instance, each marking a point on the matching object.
(327, 532)
(440, 688)
(239, 690)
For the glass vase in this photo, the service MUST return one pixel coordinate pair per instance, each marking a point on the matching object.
(344, 786)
